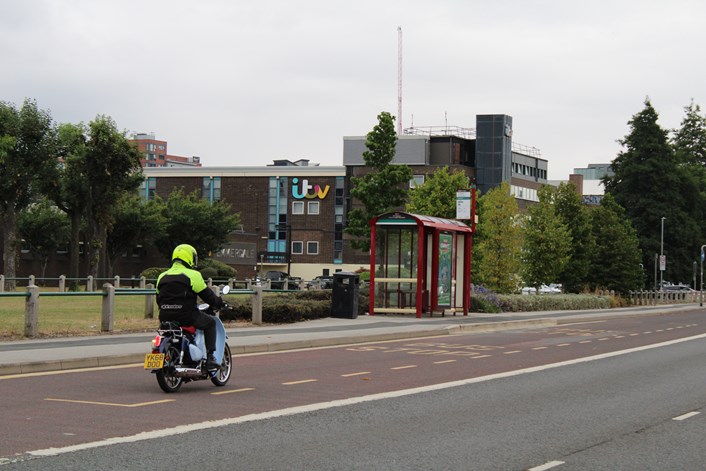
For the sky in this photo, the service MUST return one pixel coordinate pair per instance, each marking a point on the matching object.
(246, 82)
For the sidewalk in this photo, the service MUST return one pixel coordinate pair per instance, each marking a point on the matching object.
(29, 356)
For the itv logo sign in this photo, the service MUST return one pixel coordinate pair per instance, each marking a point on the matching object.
(305, 188)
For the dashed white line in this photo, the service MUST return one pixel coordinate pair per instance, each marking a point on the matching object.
(442, 362)
(291, 383)
(563, 345)
(540, 348)
(403, 367)
(688, 415)
(512, 352)
(549, 465)
(356, 374)
(586, 341)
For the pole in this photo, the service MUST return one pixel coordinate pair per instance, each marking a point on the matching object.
(701, 287)
(661, 254)
(656, 271)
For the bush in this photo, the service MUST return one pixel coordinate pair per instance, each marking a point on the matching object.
(216, 269)
(282, 308)
(552, 302)
(152, 273)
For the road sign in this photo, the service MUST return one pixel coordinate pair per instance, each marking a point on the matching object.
(662, 262)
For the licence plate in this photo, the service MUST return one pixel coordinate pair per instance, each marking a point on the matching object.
(154, 361)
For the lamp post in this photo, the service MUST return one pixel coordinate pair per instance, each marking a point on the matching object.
(701, 286)
(661, 256)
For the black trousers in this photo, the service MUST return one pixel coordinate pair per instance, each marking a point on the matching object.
(208, 325)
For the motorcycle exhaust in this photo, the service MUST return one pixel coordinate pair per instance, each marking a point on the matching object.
(188, 373)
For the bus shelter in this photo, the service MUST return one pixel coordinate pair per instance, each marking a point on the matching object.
(419, 264)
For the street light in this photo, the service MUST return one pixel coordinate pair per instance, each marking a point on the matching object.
(661, 256)
(701, 287)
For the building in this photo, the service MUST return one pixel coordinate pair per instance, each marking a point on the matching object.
(155, 153)
(293, 214)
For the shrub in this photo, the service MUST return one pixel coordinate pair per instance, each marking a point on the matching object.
(282, 308)
(216, 269)
(152, 273)
(552, 302)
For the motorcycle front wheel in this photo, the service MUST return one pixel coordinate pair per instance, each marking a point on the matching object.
(223, 373)
(165, 377)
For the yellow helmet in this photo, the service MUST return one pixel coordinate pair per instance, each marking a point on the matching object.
(186, 254)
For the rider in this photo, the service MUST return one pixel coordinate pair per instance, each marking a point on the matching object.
(177, 289)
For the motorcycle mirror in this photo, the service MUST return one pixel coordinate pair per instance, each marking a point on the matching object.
(225, 289)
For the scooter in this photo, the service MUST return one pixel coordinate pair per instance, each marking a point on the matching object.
(179, 354)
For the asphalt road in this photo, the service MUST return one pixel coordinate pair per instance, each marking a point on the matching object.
(474, 401)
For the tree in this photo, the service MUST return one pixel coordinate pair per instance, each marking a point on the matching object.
(616, 259)
(651, 183)
(689, 141)
(44, 229)
(546, 245)
(67, 186)
(497, 241)
(135, 222)
(382, 190)
(193, 220)
(437, 195)
(577, 219)
(111, 168)
(26, 141)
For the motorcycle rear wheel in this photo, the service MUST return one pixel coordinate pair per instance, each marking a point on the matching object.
(223, 373)
(165, 377)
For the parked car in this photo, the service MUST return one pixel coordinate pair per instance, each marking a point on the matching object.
(321, 282)
(544, 289)
(277, 279)
(679, 288)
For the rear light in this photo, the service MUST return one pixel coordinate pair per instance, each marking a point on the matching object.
(156, 341)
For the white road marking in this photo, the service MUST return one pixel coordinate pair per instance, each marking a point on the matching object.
(512, 352)
(291, 383)
(403, 367)
(182, 429)
(357, 374)
(586, 341)
(445, 361)
(549, 465)
(563, 345)
(231, 391)
(539, 348)
(686, 416)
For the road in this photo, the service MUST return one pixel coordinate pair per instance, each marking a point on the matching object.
(518, 399)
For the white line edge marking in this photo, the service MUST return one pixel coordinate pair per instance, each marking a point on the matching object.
(688, 415)
(549, 465)
(182, 429)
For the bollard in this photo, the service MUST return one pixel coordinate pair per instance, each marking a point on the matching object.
(149, 303)
(107, 314)
(32, 311)
(257, 305)
(62, 283)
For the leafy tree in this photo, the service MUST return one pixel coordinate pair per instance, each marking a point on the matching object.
(66, 185)
(382, 190)
(576, 217)
(26, 141)
(44, 229)
(437, 195)
(651, 183)
(111, 167)
(193, 220)
(497, 241)
(689, 141)
(616, 259)
(546, 245)
(134, 222)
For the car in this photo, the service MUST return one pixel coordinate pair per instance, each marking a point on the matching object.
(544, 289)
(321, 282)
(277, 279)
(678, 288)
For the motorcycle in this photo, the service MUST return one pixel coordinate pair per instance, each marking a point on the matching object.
(179, 354)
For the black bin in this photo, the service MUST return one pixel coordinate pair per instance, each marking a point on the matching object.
(344, 295)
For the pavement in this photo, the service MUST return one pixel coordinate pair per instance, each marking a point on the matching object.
(41, 355)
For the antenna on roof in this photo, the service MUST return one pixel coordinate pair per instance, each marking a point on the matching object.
(399, 80)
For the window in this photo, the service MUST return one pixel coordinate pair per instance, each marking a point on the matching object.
(312, 248)
(297, 207)
(416, 180)
(297, 247)
(313, 207)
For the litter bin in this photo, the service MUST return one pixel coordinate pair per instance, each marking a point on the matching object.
(344, 295)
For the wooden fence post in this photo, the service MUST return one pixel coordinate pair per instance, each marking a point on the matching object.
(149, 303)
(108, 310)
(62, 283)
(32, 311)
(257, 305)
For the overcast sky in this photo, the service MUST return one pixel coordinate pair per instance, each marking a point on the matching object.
(245, 82)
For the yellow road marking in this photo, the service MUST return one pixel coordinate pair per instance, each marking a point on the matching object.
(442, 362)
(230, 391)
(356, 374)
(300, 382)
(112, 404)
(403, 367)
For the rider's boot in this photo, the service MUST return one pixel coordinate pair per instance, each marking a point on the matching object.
(211, 363)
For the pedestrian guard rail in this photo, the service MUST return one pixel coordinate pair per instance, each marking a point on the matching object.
(651, 298)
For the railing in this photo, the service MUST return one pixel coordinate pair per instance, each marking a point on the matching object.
(108, 294)
(649, 298)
